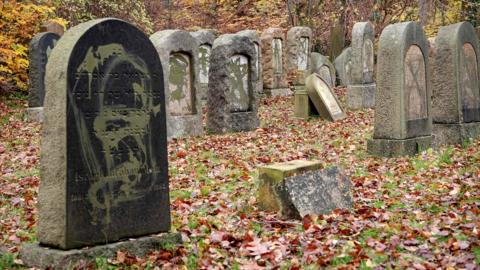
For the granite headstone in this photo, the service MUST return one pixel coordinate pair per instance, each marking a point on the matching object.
(255, 39)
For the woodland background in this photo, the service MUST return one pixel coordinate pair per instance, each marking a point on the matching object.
(20, 20)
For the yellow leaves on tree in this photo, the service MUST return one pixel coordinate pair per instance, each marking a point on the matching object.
(19, 22)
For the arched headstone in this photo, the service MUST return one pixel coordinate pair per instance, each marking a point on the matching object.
(253, 36)
(232, 99)
(178, 53)
(273, 59)
(205, 39)
(455, 83)
(323, 67)
(361, 88)
(299, 47)
(40, 49)
(104, 149)
(403, 122)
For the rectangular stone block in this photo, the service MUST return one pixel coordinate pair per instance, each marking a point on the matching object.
(394, 148)
(455, 133)
(361, 96)
(304, 107)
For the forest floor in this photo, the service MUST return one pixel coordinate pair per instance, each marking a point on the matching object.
(418, 212)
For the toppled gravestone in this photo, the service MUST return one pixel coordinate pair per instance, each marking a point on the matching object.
(298, 188)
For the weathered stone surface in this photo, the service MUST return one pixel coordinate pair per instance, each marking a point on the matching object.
(274, 64)
(395, 147)
(363, 38)
(323, 67)
(53, 27)
(343, 66)
(402, 101)
(40, 48)
(104, 151)
(455, 82)
(257, 42)
(178, 53)
(35, 114)
(455, 133)
(205, 38)
(35, 255)
(361, 96)
(323, 98)
(298, 188)
(337, 40)
(232, 99)
(299, 47)
(273, 175)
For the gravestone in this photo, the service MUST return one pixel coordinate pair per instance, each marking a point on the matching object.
(253, 36)
(455, 83)
(323, 67)
(232, 100)
(40, 48)
(361, 89)
(343, 66)
(337, 41)
(205, 38)
(273, 59)
(403, 122)
(53, 27)
(178, 53)
(299, 47)
(323, 98)
(298, 188)
(104, 171)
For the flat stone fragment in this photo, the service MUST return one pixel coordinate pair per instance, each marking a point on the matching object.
(318, 192)
(35, 255)
(323, 98)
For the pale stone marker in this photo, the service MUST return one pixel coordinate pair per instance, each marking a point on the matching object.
(255, 39)
(323, 98)
(343, 66)
(40, 48)
(298, 188)
(205, 38)
(455, 82)
(232, 99)
(323, 67)
(104, 170)
(53, 27)
(299, 47)
(403, 122)
(178, 53)
(361, 88)
(273, 59)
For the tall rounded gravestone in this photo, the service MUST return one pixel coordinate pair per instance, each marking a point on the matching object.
(104, 151)
(403, 122)
(455, 82)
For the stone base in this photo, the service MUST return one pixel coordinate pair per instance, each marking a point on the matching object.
(361, 96)
(243, 121)
(304, 107)
(455, 133)
(35, 255)
(394, 148)
(185, 125)
(35, 114)
(277, 92)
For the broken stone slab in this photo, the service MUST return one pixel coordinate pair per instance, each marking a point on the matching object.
(38, 256)
(323, 98)
(298, 188)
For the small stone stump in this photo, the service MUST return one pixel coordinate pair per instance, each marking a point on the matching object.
(104, 170)
(298, 188)
(40, 49)
(274, 65)
(178, 53)
(323, 67)
(205, 38)
(343, 66)
(361, 89)
(455, 82)
(232, 99)
(257, 42)
(403, 121)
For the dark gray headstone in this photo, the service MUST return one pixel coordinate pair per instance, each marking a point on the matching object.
(403, 122)
(455, 83)
(40, 48)
(232, 99)
(317, 192)
(104, 149)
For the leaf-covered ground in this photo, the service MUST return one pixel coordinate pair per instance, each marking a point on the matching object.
(417, 212)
